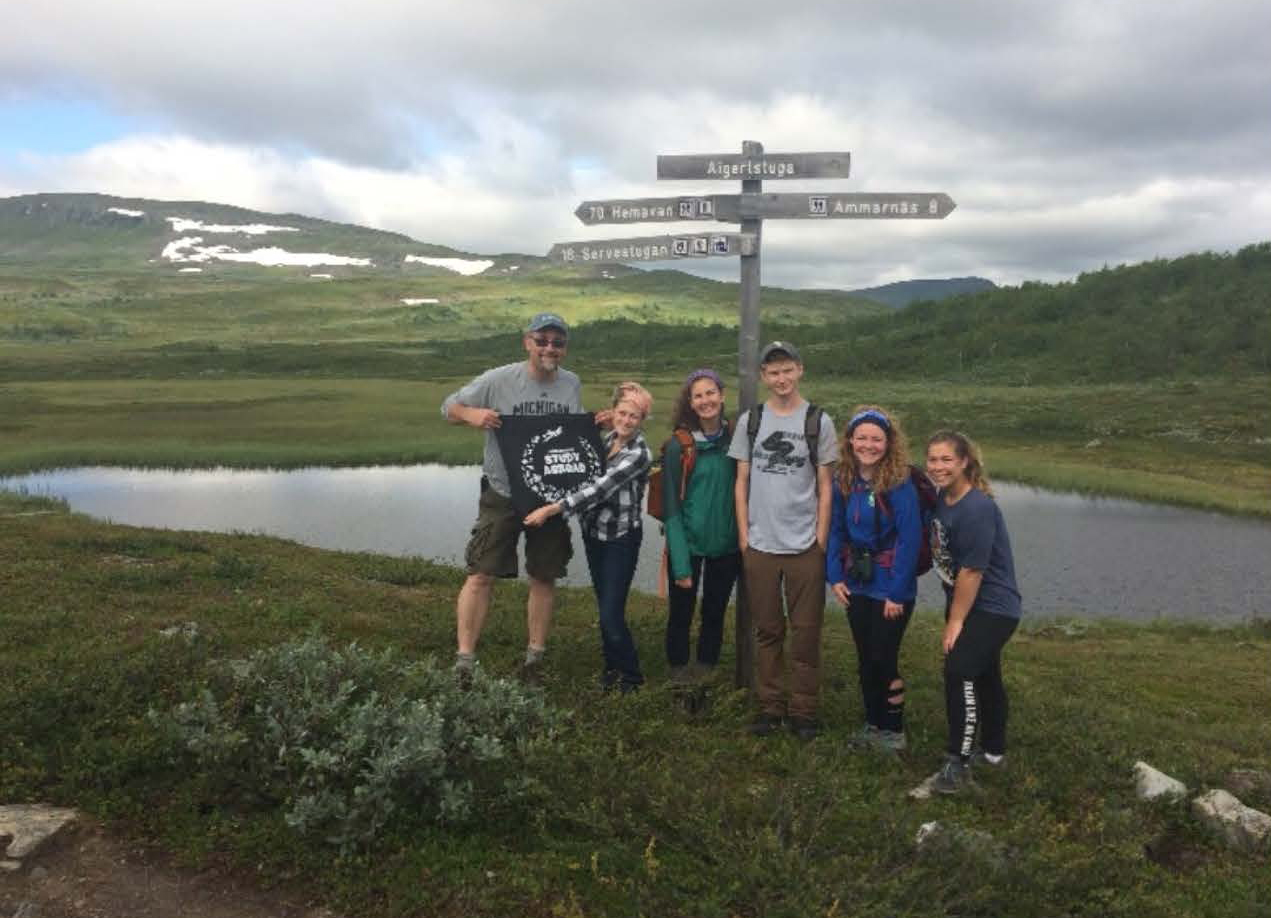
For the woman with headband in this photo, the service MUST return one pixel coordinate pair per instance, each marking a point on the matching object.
(700, 521)
(872, 560)
(610, 510)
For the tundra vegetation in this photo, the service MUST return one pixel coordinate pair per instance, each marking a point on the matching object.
(158, 679)
(591, 804)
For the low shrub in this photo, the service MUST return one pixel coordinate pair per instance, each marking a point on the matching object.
(351, 742)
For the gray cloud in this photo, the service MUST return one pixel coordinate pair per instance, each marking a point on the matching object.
(1070, 134)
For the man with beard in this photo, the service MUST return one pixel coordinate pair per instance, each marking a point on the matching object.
(535, 386)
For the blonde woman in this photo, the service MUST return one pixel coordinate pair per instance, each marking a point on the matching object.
(610, 514)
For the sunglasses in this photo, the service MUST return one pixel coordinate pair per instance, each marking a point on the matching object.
(558, 343)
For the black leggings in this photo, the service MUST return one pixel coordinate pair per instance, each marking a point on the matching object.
(716, 576)
(878, 660)
(974, 694)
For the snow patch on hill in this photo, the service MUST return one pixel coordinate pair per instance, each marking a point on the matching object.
(124, 212)
(190, 248)
(420, 301)
(185, 225)
(467, 266)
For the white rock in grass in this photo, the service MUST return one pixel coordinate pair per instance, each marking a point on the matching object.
(1242, 827)
(30, 826)
(924, 791)
(1155, 785)
(941, 839)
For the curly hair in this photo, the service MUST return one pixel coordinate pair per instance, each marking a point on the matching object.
(683, 414)
(964, 447)
(893, 469)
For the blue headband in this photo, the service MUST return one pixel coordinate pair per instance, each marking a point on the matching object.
(874, 417)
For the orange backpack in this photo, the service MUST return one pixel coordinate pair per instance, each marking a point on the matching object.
(688, 458)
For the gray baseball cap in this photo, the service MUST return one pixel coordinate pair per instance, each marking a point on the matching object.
(546, 320)
(777, 350)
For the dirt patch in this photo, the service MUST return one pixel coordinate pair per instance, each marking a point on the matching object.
(88, 874)
(1174, 852)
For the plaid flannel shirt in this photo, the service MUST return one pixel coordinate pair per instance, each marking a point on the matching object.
(613, 504)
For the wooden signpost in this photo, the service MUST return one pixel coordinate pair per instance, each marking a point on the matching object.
(749, 209)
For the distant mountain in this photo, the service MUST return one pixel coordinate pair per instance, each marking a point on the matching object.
(106, 232)
(903, 293)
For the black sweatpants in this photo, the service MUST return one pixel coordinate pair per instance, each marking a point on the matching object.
(878, 659)
(974, 694)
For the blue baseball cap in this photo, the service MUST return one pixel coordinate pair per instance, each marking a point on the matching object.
(546, 320)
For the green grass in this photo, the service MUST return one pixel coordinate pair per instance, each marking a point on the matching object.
(645, 808)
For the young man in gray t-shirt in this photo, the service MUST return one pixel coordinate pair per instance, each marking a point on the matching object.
(535, 386)
(783, 521)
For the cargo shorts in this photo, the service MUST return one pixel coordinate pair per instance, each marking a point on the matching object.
(492, 545)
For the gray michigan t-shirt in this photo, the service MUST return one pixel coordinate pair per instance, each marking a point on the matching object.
(510, 389)
(782, 481)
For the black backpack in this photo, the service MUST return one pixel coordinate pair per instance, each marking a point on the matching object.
(927, 497)
(811, 429)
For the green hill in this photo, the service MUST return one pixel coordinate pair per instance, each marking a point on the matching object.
(902, 293)
(1199, 315)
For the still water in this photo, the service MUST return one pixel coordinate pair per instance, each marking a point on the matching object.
(1075, 556)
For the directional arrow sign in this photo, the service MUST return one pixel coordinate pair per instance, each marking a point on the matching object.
(660, 210)
(862, 206)
(765, 166)
(653, 248)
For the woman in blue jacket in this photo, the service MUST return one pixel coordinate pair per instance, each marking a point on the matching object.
(872, 560)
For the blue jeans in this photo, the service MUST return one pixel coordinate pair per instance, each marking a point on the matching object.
(612, 566)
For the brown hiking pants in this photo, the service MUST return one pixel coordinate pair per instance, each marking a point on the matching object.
(803, 579)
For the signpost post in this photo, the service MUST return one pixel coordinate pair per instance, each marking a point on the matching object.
(749, 209)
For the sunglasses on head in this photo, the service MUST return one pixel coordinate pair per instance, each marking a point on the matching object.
(558, 343)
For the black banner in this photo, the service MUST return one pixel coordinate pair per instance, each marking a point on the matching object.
(548, 456)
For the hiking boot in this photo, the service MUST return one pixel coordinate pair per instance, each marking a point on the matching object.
(954, 776)
(890, 740)
(765, 724)
(980, 758)
(531, 674)
(463, 671)
(805, 728)
(864, 737)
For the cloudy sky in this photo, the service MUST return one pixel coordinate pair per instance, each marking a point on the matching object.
(1070, 134)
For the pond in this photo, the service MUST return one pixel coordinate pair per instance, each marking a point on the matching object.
(1075, 556)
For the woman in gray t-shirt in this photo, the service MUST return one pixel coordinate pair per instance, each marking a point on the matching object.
(971, 551)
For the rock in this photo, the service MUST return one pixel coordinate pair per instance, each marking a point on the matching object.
(31, 825)
(1242, 827)
(1155, 785)
(1094, 444)
(1244, 782)
(940, 839)
(924, 791)
(189, 631)
(27, 910)
(39, 873)
(11, 866)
